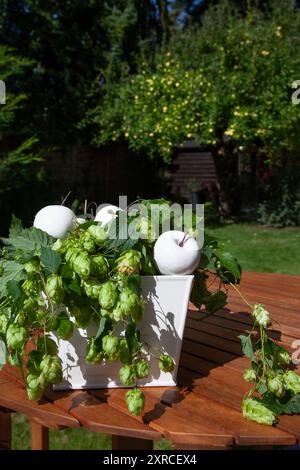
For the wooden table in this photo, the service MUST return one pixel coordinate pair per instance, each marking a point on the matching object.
(204, 411)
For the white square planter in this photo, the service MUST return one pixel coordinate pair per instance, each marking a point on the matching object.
(163, 324)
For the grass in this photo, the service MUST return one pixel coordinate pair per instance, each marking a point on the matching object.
(257, 249)
(67, 439)
(261, 249)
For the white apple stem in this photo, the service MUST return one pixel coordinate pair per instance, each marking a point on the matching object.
(66, 197)
(183, 240)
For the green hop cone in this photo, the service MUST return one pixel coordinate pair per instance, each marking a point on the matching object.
(108, 295)
(98, 234)
(129, 262)
(124, 354)
(292, 381)
(117, 312)
(282, 356)
(3, 323)
(94, 354)
(254, 410)
(166, 363)
(100, 267)
(146, 229)
(261, 315)
(31, 267)
(131, 304)
(276, 385)
(110, 345)
(135, 401)
(142, 369)
(91, 287)
(16, 336)
(127, 374)
(249, 375)
(51, 368)
(88, 242)
(35, 386)
(81, 263)
(32, 287)
(29, 304)
(54, 289)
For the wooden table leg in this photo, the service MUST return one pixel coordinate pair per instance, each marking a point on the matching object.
(5, 430)
(39, 436)
(130, 443)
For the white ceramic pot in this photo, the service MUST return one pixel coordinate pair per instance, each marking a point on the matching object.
(162, 327)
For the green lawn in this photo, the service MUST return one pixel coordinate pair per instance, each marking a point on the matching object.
(258, 249)
(261, 249)
(67, 439)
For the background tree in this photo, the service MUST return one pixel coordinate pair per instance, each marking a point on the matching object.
(226, 85)
(19, 161)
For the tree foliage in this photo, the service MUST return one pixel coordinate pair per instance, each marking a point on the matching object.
(228, 82)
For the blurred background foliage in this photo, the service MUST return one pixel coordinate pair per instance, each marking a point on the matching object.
(148, 76)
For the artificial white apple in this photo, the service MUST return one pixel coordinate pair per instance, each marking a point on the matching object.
(106, 214)
(176, 252)
(81, 219)
(55, 220)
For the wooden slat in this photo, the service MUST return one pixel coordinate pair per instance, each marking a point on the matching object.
(245, 432)
(14, 397)
(95, 414)
(178, 428)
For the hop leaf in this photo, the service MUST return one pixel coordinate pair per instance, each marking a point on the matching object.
(94, 352)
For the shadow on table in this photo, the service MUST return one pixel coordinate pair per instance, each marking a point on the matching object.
(209, 342)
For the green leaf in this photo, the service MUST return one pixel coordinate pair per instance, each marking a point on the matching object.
(228, 261)
(199, 289)
(16, 227)
(30, 239)
(132, 335)
(215, 301)
(13, 289)
(293, 405)
(272, 403)
(101, 329)
(50, 259)
(11, 271)
(74, 287)
(247, 347)
(134, 283)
